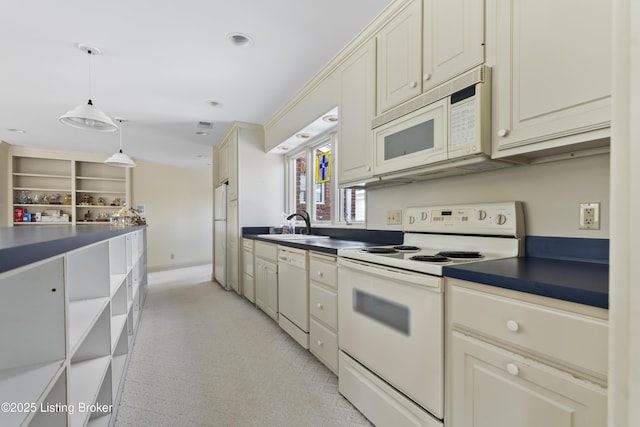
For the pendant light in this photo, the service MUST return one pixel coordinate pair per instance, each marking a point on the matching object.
(87, 116)
(120, 159)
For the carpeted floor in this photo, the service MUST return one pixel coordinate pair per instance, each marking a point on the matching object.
(206, 357)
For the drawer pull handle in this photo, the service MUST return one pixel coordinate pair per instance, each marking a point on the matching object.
(320, 274)
(320, 343)
(513, 326)
(320, 306)
(513, 369)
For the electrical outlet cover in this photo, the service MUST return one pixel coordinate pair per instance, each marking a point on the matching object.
(589, 216)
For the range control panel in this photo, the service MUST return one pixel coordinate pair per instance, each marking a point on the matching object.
(503, 219)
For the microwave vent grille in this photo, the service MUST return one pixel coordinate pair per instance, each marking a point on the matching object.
(478, 75)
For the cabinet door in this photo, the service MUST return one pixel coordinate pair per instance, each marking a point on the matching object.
(261, 284)
(232, 158)
(223, 162)
(233, 259)
(248, 289)
(492, 387)
(453, 42)
(400, 58)
(356, 109)
(552, 76)
(271, 276)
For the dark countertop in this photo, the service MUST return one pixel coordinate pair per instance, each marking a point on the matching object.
(23, 245)
(569, 269)
(329, 246)
(580, 282)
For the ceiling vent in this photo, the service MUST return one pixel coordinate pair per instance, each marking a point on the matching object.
(205, 125)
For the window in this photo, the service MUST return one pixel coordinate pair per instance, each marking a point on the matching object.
(315, 190)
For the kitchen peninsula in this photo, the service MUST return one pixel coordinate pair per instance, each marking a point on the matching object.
(70, 301)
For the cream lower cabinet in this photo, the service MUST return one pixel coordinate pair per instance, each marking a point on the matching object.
(323, 309)
(233, 253)
(266, 278)
(551, 75)
(69, 328)
(248, 283)
(517, 361)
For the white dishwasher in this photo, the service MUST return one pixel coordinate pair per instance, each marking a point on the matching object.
(293, 294)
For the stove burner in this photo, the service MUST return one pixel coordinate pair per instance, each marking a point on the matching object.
(461, 254)
(430, 258)
(380, 250)
(406, 248)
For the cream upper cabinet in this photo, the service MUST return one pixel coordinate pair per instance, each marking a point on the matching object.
(232, 168)
(223, 162)
(356, 110)
(552, 73)
(453, 43)
(399, 60)
(515, 359)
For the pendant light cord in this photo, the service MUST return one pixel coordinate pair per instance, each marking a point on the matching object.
(90, 52)
(120, 133)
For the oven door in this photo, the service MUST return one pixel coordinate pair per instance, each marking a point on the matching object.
(391, 321)
(413, 140)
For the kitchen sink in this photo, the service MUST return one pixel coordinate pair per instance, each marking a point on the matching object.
(293, 236)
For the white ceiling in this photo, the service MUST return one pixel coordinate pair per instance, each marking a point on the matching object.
(162, 62)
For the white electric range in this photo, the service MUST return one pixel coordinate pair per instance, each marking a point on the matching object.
(391, 307)
(435, 237)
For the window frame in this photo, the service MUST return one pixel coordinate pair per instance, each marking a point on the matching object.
(308, 149)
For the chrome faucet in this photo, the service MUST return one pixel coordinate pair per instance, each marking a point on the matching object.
(305, 216)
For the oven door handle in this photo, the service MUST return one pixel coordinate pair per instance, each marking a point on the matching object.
(434, 283)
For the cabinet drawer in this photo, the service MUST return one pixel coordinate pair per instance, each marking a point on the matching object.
(324, 272)
(569, 338)
(323, 305)
(247, 244)
(266, 251)
(324, 345)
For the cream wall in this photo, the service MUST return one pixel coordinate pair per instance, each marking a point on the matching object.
(4, 183)
(551, 193)
(179, 209)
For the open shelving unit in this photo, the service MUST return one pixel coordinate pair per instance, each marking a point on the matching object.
(78, 313)
(84, 190)
(105, 185)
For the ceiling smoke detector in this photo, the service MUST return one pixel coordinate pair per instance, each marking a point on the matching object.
(240, 39)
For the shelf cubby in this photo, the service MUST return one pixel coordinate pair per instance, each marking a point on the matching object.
(86, 380)
(51, 411)
(32, 299)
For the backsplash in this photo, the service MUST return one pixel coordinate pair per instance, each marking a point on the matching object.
(568, 249)
(551, 193)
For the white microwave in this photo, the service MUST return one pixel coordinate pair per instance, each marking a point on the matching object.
(451, 122)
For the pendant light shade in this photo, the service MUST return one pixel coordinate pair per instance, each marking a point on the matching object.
(87, 116)
(120, 159)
